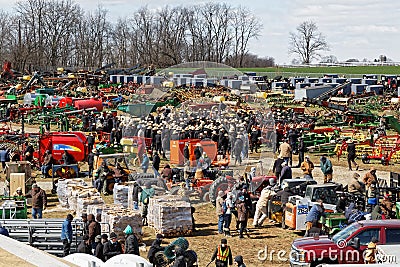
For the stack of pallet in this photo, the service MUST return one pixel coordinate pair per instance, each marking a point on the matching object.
(120, 194)
(118, 217)
(84, 202)
(170, 215)
(81, 196)
(64, 190)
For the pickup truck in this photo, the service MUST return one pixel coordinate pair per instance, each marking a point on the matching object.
(345, 247)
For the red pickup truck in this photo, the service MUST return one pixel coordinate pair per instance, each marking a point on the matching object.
(345, 247)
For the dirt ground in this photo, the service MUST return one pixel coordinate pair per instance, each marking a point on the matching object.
(262, 246)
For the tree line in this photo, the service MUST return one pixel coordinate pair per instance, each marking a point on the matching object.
(60, 33)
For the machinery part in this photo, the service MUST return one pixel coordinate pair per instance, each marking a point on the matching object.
(206, 197)
(180, 242)
(220, 184)
(160, 259)
(365, 159)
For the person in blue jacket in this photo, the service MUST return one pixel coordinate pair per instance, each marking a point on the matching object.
(314, 215)
(66, 234)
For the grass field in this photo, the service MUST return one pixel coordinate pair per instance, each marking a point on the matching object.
(319, 71)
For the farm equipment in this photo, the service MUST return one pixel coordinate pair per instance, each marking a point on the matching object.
(298, 207)
(333, 223)
(297, 187)
(13, 207)
(112, 159)
(58, 142)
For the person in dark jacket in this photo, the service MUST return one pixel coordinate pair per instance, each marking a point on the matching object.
(155, 247)
(186, 152)
(222, 254)
(4, 157)
(239, 261)
(302, 149)
(156, 164)
(286, 172)
(135, 195)
(100, 246)
(90, 141)
(47, 162)
(277, 168)
(314, 215)
(179, 258)
(93, 246)
(90, 160)
(67, 158)
(242, 211)
(94, 228)
(84, 246)
(284, 196)
(39, 201)
(131, 242)
(66, 234)
(351, 154)
(112, 247)
(166, 173)
(28, 152)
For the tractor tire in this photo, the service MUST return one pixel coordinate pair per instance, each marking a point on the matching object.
(206, 197)
(220, 184)
(366, 161)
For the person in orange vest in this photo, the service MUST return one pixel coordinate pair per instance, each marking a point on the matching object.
(222, 254)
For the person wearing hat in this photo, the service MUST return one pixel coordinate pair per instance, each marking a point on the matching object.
(131, 242)
(156, 164)
(39, 201)
(326, 168)
(314, 215)
(302, 149)
(135, 195)
(237, 149)
(84, 246)
(145, 163)
(239, 261)
(242, 210)
(28, 152)
(219, 203)
(97, 241)
(351, 154)
(370, 177)
(285, 151)
(66, 234)
(222, 254)
(90, 161)
(261, 207)
(155, 247)
(90, 141)
(18, 192)
(370, 253)
(47, 162)
(355, 186)
(98, 252)
(112, 247)
(147, 193)
(277, 168)
(307, 166)
(286, 172)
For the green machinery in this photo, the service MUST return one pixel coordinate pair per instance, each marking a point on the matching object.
(331, 224)
(13, 207)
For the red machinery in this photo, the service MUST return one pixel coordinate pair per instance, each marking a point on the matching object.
(80, 103)
(73, 142)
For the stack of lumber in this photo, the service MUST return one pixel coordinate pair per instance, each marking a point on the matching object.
(118, 217)
(84, 202)
(170, 215)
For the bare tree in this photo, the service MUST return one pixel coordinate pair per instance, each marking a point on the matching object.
(307, 42)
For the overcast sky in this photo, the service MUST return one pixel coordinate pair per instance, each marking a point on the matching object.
(353, 28)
